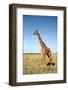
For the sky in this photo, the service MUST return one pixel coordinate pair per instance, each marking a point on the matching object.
(47, 28)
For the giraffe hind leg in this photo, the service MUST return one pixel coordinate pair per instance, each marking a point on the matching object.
(50, 58)
(49, 55)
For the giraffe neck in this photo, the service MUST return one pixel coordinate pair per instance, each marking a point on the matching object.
(41, 42)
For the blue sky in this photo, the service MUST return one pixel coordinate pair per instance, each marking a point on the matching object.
(47, 28)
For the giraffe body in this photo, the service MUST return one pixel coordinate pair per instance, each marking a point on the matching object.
(44, 49)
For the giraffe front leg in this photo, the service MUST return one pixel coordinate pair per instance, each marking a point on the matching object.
(43, 60)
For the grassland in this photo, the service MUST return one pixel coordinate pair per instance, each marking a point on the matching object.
(32, 64)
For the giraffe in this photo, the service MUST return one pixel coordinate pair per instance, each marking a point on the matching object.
(44, 49)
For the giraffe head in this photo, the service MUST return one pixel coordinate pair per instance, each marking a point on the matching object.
(36, 33)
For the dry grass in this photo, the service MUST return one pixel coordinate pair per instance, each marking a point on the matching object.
(32, 64)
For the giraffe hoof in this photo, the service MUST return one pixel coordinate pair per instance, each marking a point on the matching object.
(53, 64)
(48, 64)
